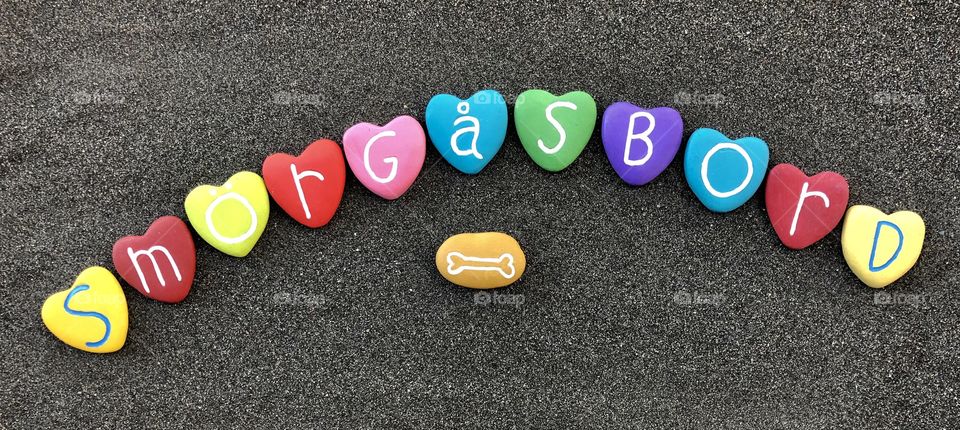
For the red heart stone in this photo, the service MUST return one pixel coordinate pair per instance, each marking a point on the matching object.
(308, 187)
(823, 199)
(161, 263)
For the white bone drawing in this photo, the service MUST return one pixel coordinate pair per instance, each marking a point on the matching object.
(457, 263)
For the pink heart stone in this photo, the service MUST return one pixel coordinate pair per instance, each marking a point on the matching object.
(386, 159)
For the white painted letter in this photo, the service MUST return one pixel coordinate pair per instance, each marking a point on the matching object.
(704, 168)
(803, 196)
(392, 161)
(245, 203)
(645, 137)
(149, 253)
(463, 108)
(297, 177)
(556, 124)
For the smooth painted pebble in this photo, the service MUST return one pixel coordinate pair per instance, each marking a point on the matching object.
(722, 172)
(804, 209)
(468, 133)
(386, 159)
(881, 248)
(308, 187)
(161, 263)
(91, 315)
(554, 129)
(481, 260)
(230, 217)
(640, 143)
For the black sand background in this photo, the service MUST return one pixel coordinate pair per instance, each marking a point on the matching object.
(110, 114)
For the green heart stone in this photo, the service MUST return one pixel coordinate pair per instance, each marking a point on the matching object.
(554, 129)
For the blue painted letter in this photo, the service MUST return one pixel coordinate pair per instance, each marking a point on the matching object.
(876, 239)
(98, 315)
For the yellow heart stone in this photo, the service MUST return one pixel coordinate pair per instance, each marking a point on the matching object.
(91, 315)
(231, 217)
(481, 260)
(881, 248)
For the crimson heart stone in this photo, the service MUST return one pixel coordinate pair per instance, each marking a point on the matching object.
(308, 187)
(161, 263)
(804, 209)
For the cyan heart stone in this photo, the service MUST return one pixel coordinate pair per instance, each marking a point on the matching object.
(468, 133)
(722, 172)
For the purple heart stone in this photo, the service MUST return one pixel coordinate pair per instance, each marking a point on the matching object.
(640, 143)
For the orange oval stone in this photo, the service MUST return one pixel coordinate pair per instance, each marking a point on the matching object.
(481, 260)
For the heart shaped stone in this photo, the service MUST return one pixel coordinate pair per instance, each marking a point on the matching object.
(640, 143)
(804, 209)
(161, 263)
(724, 173)
(386, 159)
(91, 315)
(230, 217)
(481, 260)
(308, 187)
(468, 133)
(881, 248)
(554, 129)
